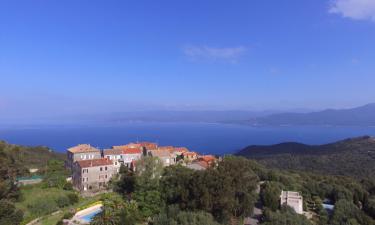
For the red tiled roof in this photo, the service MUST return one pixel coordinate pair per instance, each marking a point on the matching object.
(189, 154)
(207, 158)
(160, 153)
(112, 151)
(169, 148)
(94, 162)
(81, 148)
(181, 149)
(148, 145)
(131, 151)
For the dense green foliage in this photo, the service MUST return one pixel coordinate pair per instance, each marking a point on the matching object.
(174, 216)
(285, 216)
(352, 157)
(226, 191)
(16, 161)
(117, 211)
(348, 195)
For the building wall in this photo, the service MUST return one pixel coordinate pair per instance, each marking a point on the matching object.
(71, 158)
(293, 199)
(92, 177)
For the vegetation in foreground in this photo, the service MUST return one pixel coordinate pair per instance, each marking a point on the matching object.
(224, 194)
(353, 157)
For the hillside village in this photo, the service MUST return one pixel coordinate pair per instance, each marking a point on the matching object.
(93, 168)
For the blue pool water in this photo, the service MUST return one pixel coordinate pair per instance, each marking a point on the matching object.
(88, 217)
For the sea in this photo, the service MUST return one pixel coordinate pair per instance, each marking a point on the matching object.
(205, 138)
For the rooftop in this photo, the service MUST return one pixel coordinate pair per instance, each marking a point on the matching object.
(94, 162)
(290, 195)
(112, 151)
(160, 153)
(81, 148)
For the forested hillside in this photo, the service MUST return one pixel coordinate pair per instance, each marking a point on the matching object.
(352, 157)
(16, 161)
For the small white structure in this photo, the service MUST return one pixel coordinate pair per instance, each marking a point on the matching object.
(292, 199)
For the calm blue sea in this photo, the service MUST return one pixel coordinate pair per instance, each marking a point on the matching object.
(202, 137)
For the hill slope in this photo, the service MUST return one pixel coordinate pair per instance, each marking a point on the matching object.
(19, 159)
(360, 116)
(352, 157)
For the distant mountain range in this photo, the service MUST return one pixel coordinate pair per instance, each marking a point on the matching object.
(361, 116)
(351, 157)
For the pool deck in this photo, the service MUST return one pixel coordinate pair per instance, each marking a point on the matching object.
(77, 218)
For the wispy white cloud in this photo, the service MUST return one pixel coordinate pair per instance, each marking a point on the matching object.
(228, 54)
(354, 9)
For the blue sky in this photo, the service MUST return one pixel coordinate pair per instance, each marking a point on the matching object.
(67, 57)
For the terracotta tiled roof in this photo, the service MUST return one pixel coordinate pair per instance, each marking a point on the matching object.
(207, 158)
(169, 148)
(81, 148)
(181, 149)
(148, 145)
(189, 154)
(94, 162)
(120, 147)
(160, 153)
(112, 151)
(131, 151)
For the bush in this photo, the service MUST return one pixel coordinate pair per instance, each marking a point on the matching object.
(63, 201)
(68, 186)
(73, 198)
(68, 215)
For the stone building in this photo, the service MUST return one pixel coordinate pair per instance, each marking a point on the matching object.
(92, 174)
(293, 200)
(81, 152)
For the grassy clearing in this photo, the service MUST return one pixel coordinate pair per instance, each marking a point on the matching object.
(47, 201)
(51, 220)
(37, 201)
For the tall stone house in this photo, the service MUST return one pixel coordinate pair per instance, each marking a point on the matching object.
(81, 152)
(92, 174)
(292, 199)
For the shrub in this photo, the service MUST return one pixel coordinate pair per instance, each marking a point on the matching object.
(73, 198)
(62, 201)
(68, 215)
(68, 186)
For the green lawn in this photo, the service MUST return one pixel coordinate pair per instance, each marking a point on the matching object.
(51, 220)
(33, 194)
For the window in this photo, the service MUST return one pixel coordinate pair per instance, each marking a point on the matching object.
(106, 176)
(101, 168)
(106, 169)
(83, 179)
(87, 179)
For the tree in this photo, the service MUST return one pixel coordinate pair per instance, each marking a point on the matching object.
(174, 185)
(348, 213)
(225, 191)
(173, 216)
(270, 195)
(285, 216)
(9, 214)
(149, 202)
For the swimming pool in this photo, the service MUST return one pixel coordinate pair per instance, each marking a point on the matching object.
(88, 217)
